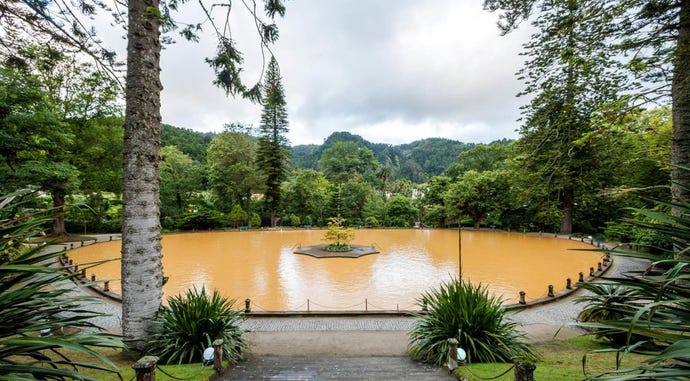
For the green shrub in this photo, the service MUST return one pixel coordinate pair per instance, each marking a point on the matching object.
(466, 312)
(655, 313)
(35, 296)
(606, 302)
(204, 219)
(191, 322)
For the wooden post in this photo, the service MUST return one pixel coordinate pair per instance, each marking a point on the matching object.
(218, 355)
(524, 371)
(452, 354)
(145, 368)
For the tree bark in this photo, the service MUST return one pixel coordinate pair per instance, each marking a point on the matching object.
(59, 207)
(142, 274)
(680, 94)
(567, 204)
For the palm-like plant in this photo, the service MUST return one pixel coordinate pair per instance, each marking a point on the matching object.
(33, 299)
(466, 312)
(659, 312)
(608, 302)
(191, 322)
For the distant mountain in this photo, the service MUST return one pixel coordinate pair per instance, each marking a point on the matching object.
(416, 161)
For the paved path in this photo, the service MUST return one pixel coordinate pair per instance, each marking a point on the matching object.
(348, 368)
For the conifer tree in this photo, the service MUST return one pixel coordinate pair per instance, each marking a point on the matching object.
(571, 77)
(272, 153)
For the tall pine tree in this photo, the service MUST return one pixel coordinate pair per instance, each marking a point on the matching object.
(653, 39)
(571, 76)
(272, 153)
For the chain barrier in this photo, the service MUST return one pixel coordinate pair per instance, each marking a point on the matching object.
(170, 375)
(335, 308)
(259, 307)
(490, 378)
(367, 306)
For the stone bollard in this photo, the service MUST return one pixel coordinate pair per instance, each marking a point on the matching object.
(551, 295)
(247, 306)
(106, 286)
(591, 271)
(569, 284)
(581, 278)
(218, 355)
(452, 361)
(93, 277)
(599, 268)
(145, 368)
(522, 298)
(524, 371)
(83, 273)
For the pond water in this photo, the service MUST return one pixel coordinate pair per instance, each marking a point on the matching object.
(261, 265)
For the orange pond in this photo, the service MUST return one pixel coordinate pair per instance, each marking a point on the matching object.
(261, 265)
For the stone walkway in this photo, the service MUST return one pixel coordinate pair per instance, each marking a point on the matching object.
(328, 369)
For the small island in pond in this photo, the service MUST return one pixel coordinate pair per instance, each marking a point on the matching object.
(319, 251)
(338, 246)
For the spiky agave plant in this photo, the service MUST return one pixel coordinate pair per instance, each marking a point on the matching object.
(660, 310)
(604, 302)
(191, 322)
(468, 313)
(34, 296)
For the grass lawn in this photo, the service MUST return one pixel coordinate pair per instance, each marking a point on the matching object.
(124, 363)
(560, 360)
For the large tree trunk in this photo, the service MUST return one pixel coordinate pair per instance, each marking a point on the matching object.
(142, 273)
(680, 94)
(567, 204)
(59, 207)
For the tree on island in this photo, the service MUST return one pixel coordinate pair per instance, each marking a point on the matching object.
(273, 149)
(338, 235)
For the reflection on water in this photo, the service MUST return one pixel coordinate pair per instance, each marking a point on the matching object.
(261, 265)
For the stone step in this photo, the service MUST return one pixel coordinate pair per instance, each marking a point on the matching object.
(334, 368)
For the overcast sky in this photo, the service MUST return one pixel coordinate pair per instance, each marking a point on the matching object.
(392, 71)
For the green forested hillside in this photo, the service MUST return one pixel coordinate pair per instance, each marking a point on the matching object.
(416, 161)
(191, 142)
